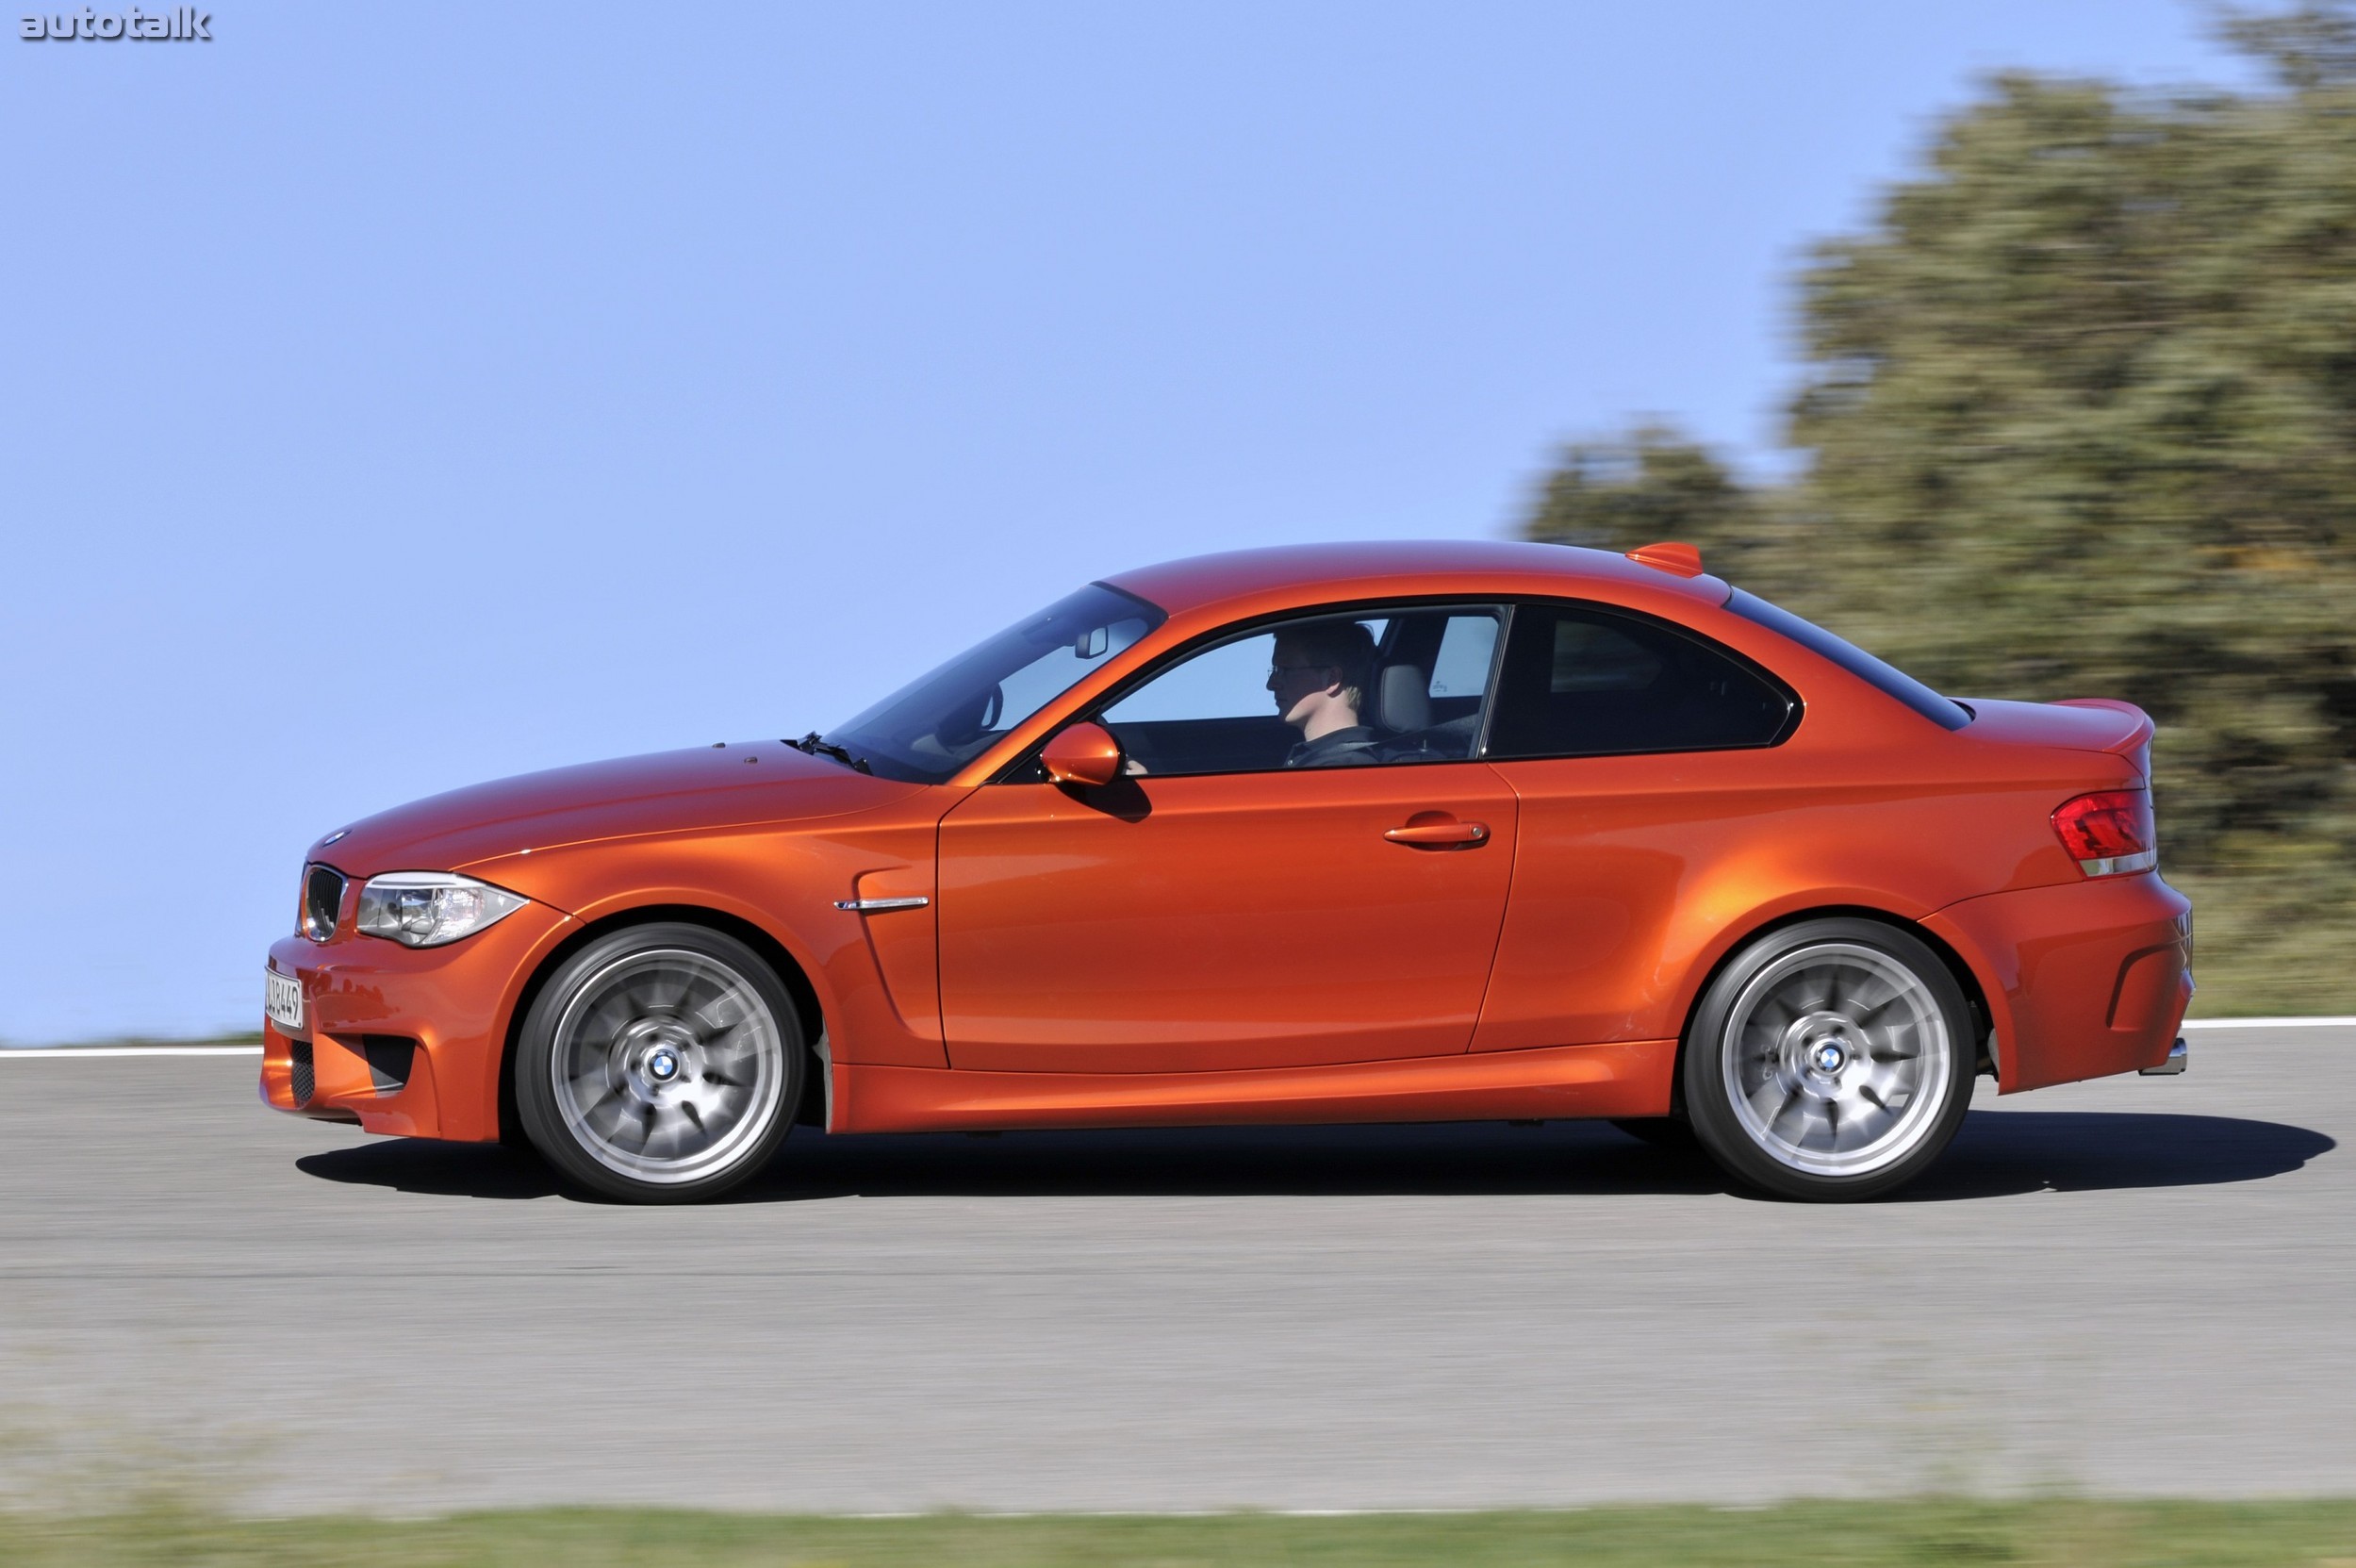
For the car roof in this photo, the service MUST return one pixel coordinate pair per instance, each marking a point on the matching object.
(1402, 567)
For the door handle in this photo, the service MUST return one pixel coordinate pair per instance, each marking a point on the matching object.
(1439, 836)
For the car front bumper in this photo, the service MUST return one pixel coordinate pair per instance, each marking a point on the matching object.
(403, 1040)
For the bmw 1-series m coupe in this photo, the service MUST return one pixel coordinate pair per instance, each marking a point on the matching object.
(1338, 833)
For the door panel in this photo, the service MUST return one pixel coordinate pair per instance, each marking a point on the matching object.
(1217, 922)
(1629, 867)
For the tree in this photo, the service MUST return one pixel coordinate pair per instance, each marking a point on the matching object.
(2080, 420)
(1601, 493)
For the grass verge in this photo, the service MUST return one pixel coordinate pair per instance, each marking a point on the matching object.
(1845, 1534)
(2275, 947)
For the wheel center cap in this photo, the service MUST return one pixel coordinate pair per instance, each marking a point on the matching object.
(662, 1064)
(1828, 1056)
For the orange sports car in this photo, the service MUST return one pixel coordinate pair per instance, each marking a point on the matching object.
(1371, 832)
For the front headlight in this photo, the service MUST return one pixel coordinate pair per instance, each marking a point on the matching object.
(425, 908)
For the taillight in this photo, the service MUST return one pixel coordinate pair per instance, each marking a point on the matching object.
(2110, 831)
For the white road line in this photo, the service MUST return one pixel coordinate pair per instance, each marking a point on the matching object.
(2269, 1023)
(54, 1052)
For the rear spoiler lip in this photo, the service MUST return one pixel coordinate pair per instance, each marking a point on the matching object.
(2126, 733)
(2136, 739)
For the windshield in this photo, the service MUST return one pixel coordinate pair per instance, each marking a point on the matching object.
(929, 729)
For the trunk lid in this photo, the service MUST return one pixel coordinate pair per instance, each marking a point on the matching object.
(2072, 724)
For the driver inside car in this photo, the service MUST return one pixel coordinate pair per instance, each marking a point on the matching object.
(1319, 675)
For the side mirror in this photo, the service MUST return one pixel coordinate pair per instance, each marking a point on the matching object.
(1083, 755)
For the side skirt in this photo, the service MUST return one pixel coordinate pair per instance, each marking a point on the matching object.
(1622, 1078)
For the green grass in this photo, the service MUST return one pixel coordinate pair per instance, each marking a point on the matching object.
(252, 1037)
(2272, 947)
(1849, 1534)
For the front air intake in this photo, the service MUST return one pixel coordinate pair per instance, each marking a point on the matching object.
(388, 1057)
(299, 1076)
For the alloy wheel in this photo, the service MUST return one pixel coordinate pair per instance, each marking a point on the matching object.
(1838, 1059)
(669, 1065)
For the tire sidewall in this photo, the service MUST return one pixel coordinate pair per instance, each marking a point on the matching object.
(1704, 1078)
(535, 1045)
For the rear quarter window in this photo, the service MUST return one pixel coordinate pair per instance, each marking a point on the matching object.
(1584, 681)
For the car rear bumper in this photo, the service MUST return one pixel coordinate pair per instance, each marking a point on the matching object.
(2084, 980)
(403, 1040)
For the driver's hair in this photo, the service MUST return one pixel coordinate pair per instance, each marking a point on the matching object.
(1344, 645)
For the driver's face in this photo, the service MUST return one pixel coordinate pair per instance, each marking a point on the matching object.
(1293, 680)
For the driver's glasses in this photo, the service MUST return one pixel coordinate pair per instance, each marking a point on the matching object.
(1279, 673)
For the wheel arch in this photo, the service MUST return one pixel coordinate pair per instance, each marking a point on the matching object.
(1974, 996)
(789, 970)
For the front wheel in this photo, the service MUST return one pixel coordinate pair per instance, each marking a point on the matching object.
(1829, 1061)
(660, 1065)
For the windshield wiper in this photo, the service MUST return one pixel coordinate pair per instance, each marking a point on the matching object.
(817, 747)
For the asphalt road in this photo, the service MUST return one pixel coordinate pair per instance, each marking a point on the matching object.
(2138, 1285)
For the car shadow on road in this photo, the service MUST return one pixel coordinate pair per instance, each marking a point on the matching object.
(2003, 1152)
(1999, 1153)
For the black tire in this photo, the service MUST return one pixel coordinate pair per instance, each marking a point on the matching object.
(1671, 1132)
(675, 1038)
(1830, 1060)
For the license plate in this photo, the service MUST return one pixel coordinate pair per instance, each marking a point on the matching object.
(283, 1000)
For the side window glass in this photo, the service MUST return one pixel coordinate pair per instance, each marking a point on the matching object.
(1369, 690)
(1591, 657)
(1229, 680)
(1591, 682)
(1467, 649)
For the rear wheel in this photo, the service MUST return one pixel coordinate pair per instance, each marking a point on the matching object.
(660, 1065)
(1829, 1061)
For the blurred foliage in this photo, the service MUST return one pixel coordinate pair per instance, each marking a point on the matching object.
(1883, 1533)
(2079, 420)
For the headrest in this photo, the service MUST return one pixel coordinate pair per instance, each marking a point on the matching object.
(1402, 699)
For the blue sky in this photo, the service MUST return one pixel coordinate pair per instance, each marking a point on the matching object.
(396, 397)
